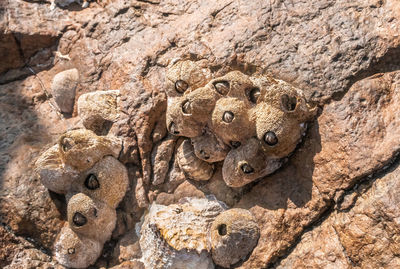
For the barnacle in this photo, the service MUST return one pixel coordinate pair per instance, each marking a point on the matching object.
(234, 234)
(82, 148)
(63, 89)
(176, 236)
(85, 168)
(196, 233)
(98, 110)
(90, 217)
(261, 120)
(191, 165)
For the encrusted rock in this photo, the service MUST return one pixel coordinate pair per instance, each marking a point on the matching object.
(82, 148)
(63, 89)
(191, 165)
(234, 234)
(176, 236)
(260, 118)
(76, 251)
(98, 110)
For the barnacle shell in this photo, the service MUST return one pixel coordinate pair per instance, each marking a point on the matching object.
(82, 148)
(72, 250)
(191, 165)
(234, 234)
(99, 218)
(176, 236)
(98, 110)
(54, 174)
(63, 89)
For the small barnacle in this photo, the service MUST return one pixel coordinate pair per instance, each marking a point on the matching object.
(247, 163)
(75, 251)
(270, 138)
(228, 116)
(91, 218)
(181, 86)
(106, 181)
(222, 87)
(82, 148)
(172, 128)
(54, 174)
(209, 148)
(91, 182)
(234, 234)
(237, 113)
(99, 110)
(191, 165)
(63, 89)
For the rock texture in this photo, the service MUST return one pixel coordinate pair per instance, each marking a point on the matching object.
(331, 204)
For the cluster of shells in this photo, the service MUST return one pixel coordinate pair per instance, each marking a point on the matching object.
(249, 122)
(85, 168)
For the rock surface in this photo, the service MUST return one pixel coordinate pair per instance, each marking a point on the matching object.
(331, 204)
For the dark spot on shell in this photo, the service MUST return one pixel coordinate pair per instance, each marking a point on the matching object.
(246, 168)
(181, 86)
(66, 144)
(222, 229)
(79, 219)
(92, 182)
(204, 155)
(172, 129)
(235, 144)
(228, 116)
(288, 102)
(254, 94)
(270, 138)
(95, 212)
(71, 251)
(186, 107)
(222, 87)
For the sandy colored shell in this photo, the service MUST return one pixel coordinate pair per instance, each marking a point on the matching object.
(234, 234)
(247, 163)
(91, 218)
(82, 148)
(209, 148)
(63, 89)
(53, 173)
(76, 251)
(185, 76)
(98, 110)
(112, 181)
(191, 165)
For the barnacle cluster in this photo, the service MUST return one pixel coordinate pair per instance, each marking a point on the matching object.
(85, 168)
(196, 233)
(250, 122)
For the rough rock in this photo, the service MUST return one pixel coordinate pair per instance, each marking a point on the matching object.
(323, 48)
